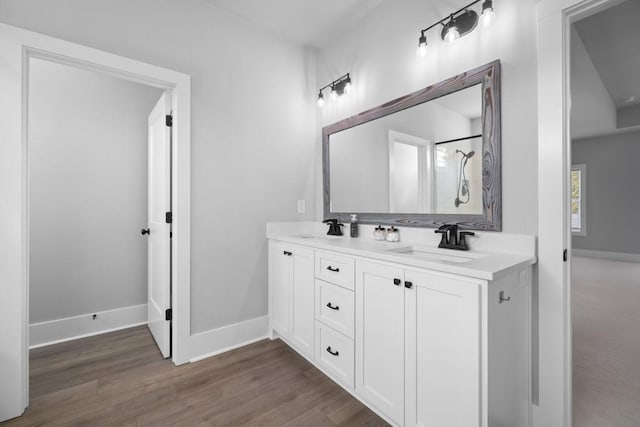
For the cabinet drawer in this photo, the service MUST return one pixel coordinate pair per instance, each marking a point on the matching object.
(335, 268)
(335, 307)
(334, 353)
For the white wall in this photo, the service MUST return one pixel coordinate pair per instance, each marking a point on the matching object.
(88, 191)
(252, 129)
(592, 109)
(628, 116)
(380, 55)
(612, 202)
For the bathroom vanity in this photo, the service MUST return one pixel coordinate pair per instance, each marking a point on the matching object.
(423, 336)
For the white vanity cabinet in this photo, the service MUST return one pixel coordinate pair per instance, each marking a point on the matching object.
(435, 349)
(417, 352)
(291, 294)
(420, 346)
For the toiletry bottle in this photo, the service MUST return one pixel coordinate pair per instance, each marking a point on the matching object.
(393, 235)
(354, 225)
(379, 233)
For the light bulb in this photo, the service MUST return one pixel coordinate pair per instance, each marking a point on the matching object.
(452, 34)
(320, 100)
(334, 93)
(422, 46)
(347, 85)
(488, 15)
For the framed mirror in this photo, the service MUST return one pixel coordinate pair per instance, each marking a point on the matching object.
(425, 159)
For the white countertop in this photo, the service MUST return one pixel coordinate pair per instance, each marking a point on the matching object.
(480, 264)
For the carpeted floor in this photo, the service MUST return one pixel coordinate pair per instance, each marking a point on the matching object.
(606, 343)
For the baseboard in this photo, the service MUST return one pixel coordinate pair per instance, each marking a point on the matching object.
(216, 341)
(613, 256)
(72, 328)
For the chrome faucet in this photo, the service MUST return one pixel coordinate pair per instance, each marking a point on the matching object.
(452, 239)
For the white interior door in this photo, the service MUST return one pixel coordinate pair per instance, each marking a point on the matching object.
(159, 227)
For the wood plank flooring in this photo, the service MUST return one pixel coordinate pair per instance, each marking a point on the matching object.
(120, 379)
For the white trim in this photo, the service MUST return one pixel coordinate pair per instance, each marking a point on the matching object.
(16, 46)
(613, 256)
(554, 18)
(582, 168)
(426, 169)
(72, 328)
(229, 337)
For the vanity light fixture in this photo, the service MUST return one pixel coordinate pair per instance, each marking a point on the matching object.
(488, 14)
(458, 24)
(339, 87)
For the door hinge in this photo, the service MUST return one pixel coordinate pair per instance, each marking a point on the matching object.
(168, 314)
(168, 217)
(168, 120)
(565, 255)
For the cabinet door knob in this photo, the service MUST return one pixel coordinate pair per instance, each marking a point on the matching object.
(287, 253)
(408, 285)
(397, 282)
(337, 307)
(335, 270)
(145, 231)
(334, 353)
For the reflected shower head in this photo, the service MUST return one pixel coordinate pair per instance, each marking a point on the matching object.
(465, 155)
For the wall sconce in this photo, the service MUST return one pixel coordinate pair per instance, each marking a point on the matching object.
(458, 24)
(338, 87)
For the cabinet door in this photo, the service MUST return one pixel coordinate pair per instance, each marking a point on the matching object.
(442, 365)
(280, 281)
(302, 306)
(380, 337)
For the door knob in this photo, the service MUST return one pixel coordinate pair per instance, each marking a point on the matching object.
(145, 231)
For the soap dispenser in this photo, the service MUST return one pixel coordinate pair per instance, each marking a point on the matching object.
(354, 225)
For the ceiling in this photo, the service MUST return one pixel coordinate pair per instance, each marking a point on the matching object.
(308, 22)
(612, 39)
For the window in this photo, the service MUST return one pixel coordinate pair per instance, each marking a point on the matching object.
(578, 200)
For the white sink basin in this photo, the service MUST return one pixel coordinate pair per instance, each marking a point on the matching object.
(434, 254)
(318, 236)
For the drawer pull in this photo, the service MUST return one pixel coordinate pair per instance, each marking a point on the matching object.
(335, 270)
(408, 285)
(397, 282)
(287, 253)
(337, 307)
(336, 353)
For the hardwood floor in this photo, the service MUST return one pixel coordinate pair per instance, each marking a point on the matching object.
(120, 379)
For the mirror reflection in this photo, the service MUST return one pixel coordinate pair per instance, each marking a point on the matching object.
(424, 159)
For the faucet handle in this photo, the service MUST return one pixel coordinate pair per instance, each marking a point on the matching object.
(463, 239)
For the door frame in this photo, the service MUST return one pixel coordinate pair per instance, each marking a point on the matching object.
(554, 18)
(17, 46)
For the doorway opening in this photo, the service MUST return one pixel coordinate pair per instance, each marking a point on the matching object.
(605, 265)
(18, 47)
(92, 180)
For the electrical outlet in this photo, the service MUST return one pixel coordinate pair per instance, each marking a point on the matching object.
(302, 206)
